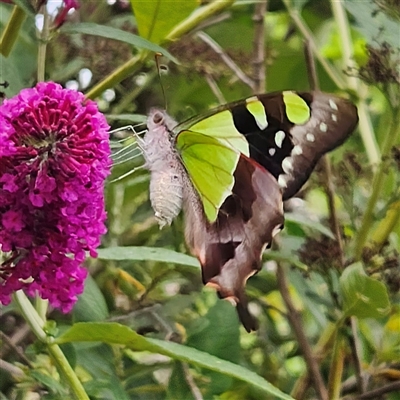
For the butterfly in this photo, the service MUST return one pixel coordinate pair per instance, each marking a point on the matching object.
(230, 170)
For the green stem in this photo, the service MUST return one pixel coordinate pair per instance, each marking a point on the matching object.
(69, 374)
(43, 37)
(118, 75)
(177, 32)
(343, 28)
(41, 307)
(11, 30)
(367, 133)
(37, 324)
(386, 226)
(30, 315)
(366, 130)
(336, 368)
(197, 17)
(303, 28)
(377, 185)
(321, 349)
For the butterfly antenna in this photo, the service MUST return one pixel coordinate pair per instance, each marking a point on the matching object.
(161, 67)
(310, 64)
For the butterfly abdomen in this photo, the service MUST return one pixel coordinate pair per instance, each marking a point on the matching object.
(166, 186)
(166, 195)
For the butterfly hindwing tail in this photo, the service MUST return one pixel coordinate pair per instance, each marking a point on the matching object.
(230, 248)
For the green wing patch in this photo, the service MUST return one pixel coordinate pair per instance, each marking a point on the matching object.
(297, 109)
(219, 125)
(210, 165)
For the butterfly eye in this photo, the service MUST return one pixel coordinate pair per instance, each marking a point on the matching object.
(158, 118)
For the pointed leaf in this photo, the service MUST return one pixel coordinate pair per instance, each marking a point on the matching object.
(142, 253)
(109, 32)
(91, 305)
(156, 18)
(114, 333)
(363, 297)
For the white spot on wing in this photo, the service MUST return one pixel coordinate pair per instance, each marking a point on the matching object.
(282, 181)
(276, 230)
(334, 117)
(333, 105)
(271, 151)
(251, 99)
(297, 150)
(310, 137)
(279, 136)
(323, 126)
(261, 121)
(287, 165)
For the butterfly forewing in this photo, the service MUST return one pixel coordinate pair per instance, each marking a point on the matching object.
(286, 132)
(233, 167)
(210, 166)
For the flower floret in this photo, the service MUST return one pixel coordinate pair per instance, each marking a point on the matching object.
(54, 158)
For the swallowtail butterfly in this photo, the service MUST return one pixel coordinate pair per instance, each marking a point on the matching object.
(231, 168)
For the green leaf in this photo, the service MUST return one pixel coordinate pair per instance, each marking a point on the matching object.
(91, 305)
(116, 34)
(48, 381)
(156, 18)
(363, 297)
(178, 388)
(141, 253)
(303, 220)
(221, 338)
(114, 333)
(375, 26)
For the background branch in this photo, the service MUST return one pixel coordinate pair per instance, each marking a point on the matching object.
(296, 323)
(259, 71)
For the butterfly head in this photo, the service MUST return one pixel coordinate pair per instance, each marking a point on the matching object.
(158, 118)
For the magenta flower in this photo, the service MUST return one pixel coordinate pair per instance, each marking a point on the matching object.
(54, 158)
(63, 11)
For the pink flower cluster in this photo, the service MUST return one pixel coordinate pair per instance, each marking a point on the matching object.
(54, 159)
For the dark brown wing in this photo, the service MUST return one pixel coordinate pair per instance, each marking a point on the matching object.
(230, 249)
(289, 151)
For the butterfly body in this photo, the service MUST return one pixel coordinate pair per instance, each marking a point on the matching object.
(167, 172)
(231, 168)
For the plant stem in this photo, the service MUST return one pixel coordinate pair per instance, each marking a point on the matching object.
(196, 18)
(118, 75)
(227, 60)
(43, 37)
(386, 226)
(41, 307)
(321, 349)
(356, 350)
(11, 30)
(31, 316)
(295, 321)
(336, 370)
(259, 73)
(348, 63)
(377, 185)
(69, 374)
(307, 34)
(177, 32)
(37, 325)
(343, 28)
(367, 133)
